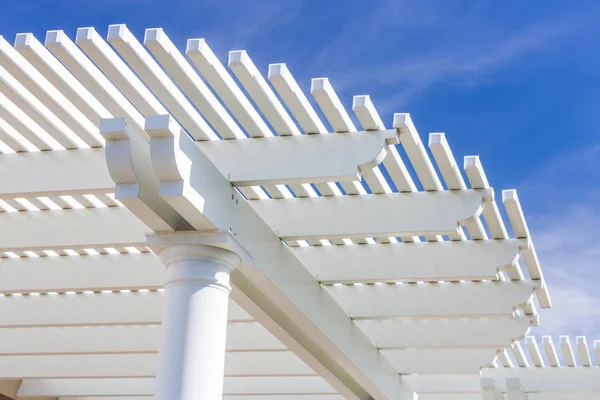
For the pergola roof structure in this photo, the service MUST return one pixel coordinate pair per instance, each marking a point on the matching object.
(366, 266)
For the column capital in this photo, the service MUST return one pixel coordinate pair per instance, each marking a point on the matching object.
(189, 246)
(194, 258)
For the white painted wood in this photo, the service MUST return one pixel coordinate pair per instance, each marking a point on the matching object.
(534, 352)
(84, 228)
(245, 335)
(504, 358)
(11, 143)
(89, 309)
(188, 80)
(550, 351)
(79, 130)
(19, 127)
(477, 179)
(144, 386)
(444, 261)
(519, 355)
(59, 135)
(250, 162)
(584, 353)
(117, 71)
(489, 391)
(432, 299)
(439, 361)
(263, 96)
(159, 82)
(368, 216)
(295, 100)
(517, 220)
(51, 173)
(493, 333)
(223, 84)
(57, 74)
(93, 79)
(331, 105)
(129, 162)
(280, 285)
(237, 363)
(567, 351)
(410, 140)
(548, 380)
(81, 273)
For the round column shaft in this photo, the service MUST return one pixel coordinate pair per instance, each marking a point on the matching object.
(194, 323)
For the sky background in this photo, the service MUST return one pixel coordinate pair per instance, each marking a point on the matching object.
(517, 83)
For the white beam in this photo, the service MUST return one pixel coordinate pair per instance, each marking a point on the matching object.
(295, 99)
(275, 280)
(410, 140)
(550, 350)
(41, 58)
(567, 350)
(237, 363)
(340, 157)
(53, 173)
(121, 339)
(159, 82)
(145, 386)
(442, 261)
(443, 299)
(188, 80)
(439, 361)
(82, 228)
(71, 56)
(81, 273)
(223, 84)
(584, 352)
(493, 333)
(369, 216)
(79, 131)
(331, 105)
(489, 390)
(117, 71)
(263, 96)
(89, 309)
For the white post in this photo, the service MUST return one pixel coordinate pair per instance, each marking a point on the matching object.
(194, 323)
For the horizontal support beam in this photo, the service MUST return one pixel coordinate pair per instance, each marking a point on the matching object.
(299, 159)
(270, 276)
(133, 308)
(237, 363)
(435, 300)
(53, 173)
(439, 361)
(81, 273)
(145, 386)
(393, 214)
(494, 333)
(410, 262)
(67, 229)
(120, 339)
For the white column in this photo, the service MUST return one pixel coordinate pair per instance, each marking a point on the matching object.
(194, 323)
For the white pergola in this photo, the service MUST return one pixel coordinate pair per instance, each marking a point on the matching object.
(300, 263)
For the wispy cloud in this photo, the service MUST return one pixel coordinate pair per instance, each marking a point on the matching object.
(458, 59)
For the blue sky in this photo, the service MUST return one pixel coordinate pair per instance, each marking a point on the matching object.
(517, 83)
